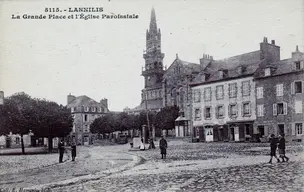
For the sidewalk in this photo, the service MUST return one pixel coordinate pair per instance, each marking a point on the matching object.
(28, 151)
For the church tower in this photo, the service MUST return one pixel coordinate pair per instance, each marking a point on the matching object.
(153, 70)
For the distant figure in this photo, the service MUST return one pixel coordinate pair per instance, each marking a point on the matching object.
(273, 148)
(142, 145)
(67, 152)
(163, 147)
(61, 150)
(73, 151)
(151, 146)
(281, 147)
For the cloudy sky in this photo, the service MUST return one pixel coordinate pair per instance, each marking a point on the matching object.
(103, 58)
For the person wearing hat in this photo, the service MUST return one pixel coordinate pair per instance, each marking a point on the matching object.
(273, 148)
(163, 147)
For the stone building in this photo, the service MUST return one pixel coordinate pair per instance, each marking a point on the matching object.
(84, 110)
(280, 97)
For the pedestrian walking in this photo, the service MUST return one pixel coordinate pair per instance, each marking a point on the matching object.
(73, 151)
(273, 148)
(151, 146)
(61, 150)
(163, 147)
(281, 147)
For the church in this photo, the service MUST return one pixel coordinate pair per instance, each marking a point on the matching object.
(164, 86)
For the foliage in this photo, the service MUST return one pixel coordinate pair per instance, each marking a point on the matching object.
(165, 119)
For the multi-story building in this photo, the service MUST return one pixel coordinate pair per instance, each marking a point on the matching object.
(223, 105)
(280, 97)
(84, 110)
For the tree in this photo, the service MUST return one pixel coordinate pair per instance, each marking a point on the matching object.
(165, 119)
(16, 113)
(103, 125)
(51, 120)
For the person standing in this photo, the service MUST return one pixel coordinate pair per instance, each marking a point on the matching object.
(61, 150)
(142, 145)
(273, 148)
(163, 147)
(73, 151)
(282, 147)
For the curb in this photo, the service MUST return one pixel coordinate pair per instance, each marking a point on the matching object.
(47, 187)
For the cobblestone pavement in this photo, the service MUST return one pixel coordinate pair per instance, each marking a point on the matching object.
(90, 160)
(206, 167)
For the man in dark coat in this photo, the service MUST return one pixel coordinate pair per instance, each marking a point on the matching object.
(61, 150)
(73, 151)
(163, 147)
(273, 148)
(281, 147)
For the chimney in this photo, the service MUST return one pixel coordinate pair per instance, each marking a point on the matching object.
(269, 52)
(70, 98)
(205, 60)
(104, 102)
(1, 97)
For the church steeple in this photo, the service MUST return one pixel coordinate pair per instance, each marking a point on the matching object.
(153, 25)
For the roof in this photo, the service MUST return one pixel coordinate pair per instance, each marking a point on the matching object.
(188, 67)
(154, 104)
(84, 101)
(181, 119)
(250, 62)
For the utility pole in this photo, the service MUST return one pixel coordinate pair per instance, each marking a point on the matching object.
(147, 112)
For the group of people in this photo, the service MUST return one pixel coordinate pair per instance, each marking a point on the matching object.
(162, 146)
(63, 149)
(280, 144)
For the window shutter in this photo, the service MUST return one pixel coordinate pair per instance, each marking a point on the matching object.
(285, 108)
(229, 110)
(293, 129)
(216, 112)
(292, 88)
(205, 114)
(282, 89)
(249, 108)
(274, 108)
(242, 109)
(224, 111)
(264, 111)
(237, 109)
(302, 86)
(302, 64)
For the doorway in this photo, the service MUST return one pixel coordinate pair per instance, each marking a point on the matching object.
(232, 134)
(281, 129)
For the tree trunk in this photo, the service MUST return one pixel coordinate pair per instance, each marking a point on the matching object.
(50, 145)
(22, 144)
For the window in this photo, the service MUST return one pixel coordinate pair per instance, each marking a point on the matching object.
(220, 112)
(207, 112)
(279, 90)
(279, 109)
(207, 94)
(87, 109)
(197, 95)
(246, 88)
(197, 113)
(72, 109)
(298, 65)
(261, 130)
(99, 109)
(299, 128)
(260, 92)
(246, 109)
(85, 117)
(93, 109)
(298, 107)
(232, 110)
(267, 71)
(260, 110)
(232, 90)
(219, 92)
(298, 87)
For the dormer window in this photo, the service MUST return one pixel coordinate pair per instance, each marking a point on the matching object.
(298, 65)
(267, 72)
(93, 109)
(87, 109)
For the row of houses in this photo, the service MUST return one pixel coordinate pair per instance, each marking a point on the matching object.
(251, 96)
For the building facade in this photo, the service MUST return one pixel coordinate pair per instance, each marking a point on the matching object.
(84, 111)
(280, 97)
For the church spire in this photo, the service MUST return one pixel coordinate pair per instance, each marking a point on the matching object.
(153, 25)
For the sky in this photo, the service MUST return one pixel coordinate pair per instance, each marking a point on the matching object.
(103, 58)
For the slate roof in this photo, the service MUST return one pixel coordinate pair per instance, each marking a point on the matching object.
(250, 61)
(84, 100)
(151, 105)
